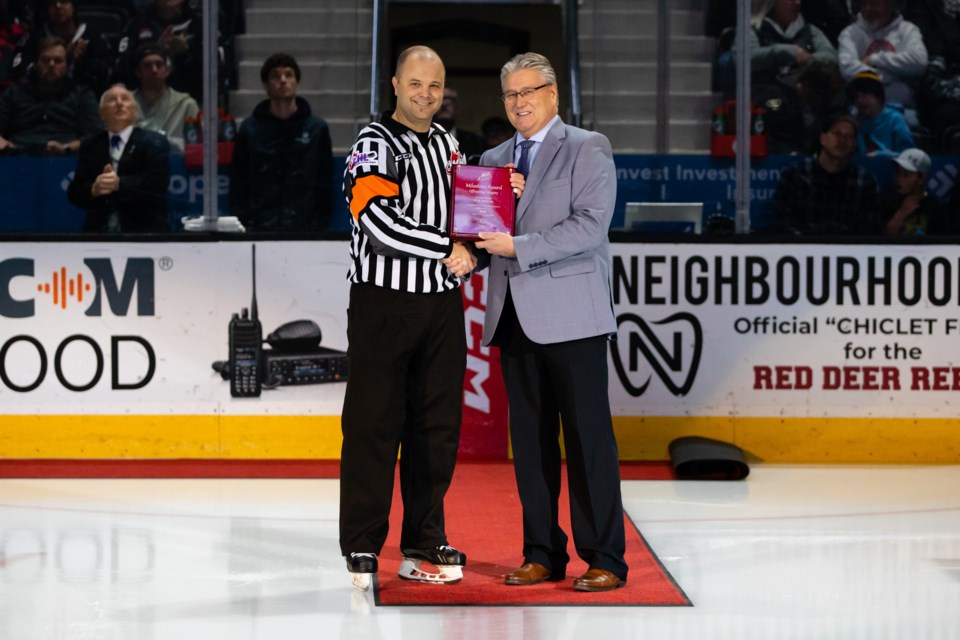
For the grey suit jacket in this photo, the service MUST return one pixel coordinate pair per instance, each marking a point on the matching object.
(560, 279)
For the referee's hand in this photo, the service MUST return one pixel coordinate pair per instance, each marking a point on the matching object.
(461, 260)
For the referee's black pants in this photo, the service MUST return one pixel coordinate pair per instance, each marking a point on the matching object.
(408, 356)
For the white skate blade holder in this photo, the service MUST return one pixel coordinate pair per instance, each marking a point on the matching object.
(361, 581)
(423, 571)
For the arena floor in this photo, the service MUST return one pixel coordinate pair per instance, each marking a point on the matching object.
(792, 552)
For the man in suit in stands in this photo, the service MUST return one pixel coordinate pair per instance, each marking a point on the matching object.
(549, 309)
(122, 173)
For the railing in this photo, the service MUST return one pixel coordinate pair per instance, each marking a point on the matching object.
(572, 37)
(379, 19)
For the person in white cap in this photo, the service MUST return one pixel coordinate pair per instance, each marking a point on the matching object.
(914, 212)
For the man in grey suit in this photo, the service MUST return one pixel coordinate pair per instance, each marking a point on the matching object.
(550, 310)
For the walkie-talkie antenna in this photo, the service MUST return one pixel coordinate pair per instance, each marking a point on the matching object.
(253, 266)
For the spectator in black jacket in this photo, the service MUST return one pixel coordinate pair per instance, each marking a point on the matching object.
(50, 114)
(827, 194)
(282, 160)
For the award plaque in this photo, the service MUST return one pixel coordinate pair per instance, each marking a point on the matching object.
(481, 199)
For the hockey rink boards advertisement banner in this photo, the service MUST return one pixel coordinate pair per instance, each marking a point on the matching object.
(796, 330)
(117, 349)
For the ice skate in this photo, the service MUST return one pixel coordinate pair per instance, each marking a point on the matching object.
(439, 565)
(362, 567)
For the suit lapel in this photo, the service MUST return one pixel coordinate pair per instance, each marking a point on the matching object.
(102, 149)
(548, 151)
(129, 148)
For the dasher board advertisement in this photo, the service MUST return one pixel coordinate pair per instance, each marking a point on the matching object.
(786, 331)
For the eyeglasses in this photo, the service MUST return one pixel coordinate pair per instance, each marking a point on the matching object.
(511, 96)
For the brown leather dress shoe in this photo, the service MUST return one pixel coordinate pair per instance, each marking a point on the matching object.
(598, 580)
(530, 573)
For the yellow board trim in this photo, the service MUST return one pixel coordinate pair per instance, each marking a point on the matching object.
(781, 440)
(800, 440)
(170, 437)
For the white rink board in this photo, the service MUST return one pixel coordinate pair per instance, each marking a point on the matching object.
(766, 347)
(776, 337)
(198, 286)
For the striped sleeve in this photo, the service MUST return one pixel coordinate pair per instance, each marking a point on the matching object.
(372, 186)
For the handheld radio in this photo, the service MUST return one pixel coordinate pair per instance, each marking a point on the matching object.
(245, 337)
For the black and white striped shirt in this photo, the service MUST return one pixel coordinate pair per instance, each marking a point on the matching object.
(397, 184)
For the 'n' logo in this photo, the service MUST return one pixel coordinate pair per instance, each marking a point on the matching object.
(671, 347)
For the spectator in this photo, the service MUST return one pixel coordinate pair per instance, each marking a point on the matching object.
(13, 36)
(89, 56)
(178, 29)
(914, 212)
(938, 96)
(782, 45)
(469, 143)
(283, 159)
(881, 130)
(50, 114)
(827, 193)
(122, 173)
(162, 109)
(830, 16)
(782, 42)
(883, 42)
(495, 131)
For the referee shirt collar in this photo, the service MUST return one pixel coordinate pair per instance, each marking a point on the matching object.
(398, 129)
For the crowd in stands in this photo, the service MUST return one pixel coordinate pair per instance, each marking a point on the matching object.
(74, 71)
(152, 46)
(891, 67)
(812, 57)
(843, 80)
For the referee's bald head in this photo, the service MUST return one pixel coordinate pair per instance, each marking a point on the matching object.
(418, 51)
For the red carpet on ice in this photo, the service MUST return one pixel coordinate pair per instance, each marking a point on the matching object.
(484, 521)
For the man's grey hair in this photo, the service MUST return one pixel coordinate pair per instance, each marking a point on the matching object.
(529, 60)
(136, 105)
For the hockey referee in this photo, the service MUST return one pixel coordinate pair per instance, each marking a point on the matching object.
(407, 343)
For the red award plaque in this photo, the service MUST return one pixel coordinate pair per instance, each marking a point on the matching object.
(481, 199)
